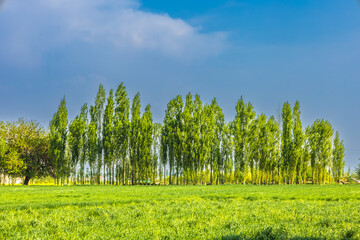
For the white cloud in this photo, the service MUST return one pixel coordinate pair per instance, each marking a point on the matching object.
(28, 29)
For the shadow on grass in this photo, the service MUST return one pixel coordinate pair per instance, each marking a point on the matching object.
(279, 234)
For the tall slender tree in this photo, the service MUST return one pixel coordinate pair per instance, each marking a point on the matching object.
(297, 146)
(96, 117)
(338, 158)
(58, 138)
(108, 138)
(286, 144)
(188, 140)
(156, 135)
(92, 148)
(122, 127)
(241, 125)
(146, 145)
(135, 135)
(197, 122)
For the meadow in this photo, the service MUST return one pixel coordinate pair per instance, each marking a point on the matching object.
(180, 212)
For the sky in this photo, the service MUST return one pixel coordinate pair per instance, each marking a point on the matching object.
(268, 51)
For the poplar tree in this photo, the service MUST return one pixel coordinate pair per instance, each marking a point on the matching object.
(83, 142)
(286, 143)
(108, 138)
(297, 146)
(321, 149)
(146, 145)
(96, 117)
(178, 135)
(217, 161)
(338, 158)
(306, 153)
(188, 131)
(156, 135)
(273, 137)
(325, 148)
(135, 137)
(74, 141)
(206, 140)
(122, 127)
(169, 136)
(58, 138)
(92, 148)
(244, 117)
(227, 152)
(198, 108)
(164, 148)
(263, 149)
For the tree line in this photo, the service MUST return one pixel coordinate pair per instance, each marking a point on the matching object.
(112, 142)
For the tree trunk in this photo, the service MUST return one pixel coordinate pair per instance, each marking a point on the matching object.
(26, 181)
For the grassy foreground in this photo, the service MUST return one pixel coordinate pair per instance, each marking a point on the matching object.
(180, 212)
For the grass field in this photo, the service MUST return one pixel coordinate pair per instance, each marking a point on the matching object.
(180, 212)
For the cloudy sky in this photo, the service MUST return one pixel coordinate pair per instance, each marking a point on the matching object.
(268, 51)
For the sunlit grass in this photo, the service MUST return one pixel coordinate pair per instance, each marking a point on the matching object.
(180, 212)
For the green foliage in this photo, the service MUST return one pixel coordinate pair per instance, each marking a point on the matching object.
(135, 138)
(58, 138)
(108, 138)
(121, 130)
(241, 131)
(24, 150)
(297, 146)
(288, 165)
(96, 113)
(193, 145)
(338, 163)
(357, 171)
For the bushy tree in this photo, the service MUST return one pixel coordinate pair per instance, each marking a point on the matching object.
(24, 150)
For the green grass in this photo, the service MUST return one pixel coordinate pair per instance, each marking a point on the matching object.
(180, 212)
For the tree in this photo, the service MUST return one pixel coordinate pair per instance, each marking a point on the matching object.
(206, 140)
(297, 146)
(96, 113)
(177, 130)
(288, 166)
(25, 150)
(198, 108)
(157, 128)
(241, 128)
(77, 141)
(227, 152)
(122, 126)
(108, 138)
(217, 161)
(74, 142)
(145, 162)
(188, 140)
(164, 148)
(357, 170)
(135, 137)
(273, 137)
(264, 149)
(83, 143)
(321, 149)
(92, 148)
(172, 134)
(58, 138)
(338, 163)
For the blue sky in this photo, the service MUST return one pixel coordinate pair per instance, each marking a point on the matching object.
(268, 51)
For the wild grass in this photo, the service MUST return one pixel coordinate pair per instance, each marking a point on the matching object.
(180, 212)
